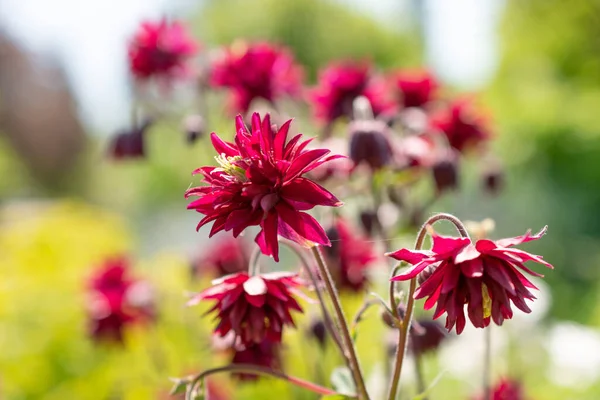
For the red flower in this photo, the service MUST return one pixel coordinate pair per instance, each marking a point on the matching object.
(506, 389)
(264, 354)
(463, 128)
(340, 83)
(130, 144)
(485, 276)
(349, 257)
(255, 308)
(260, 182)
(224, 257)
(117, 301)
(160, 49)
(259, 70)
(415, 88)
(370, 144)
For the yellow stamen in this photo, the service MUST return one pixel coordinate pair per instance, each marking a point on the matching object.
(229, 166)
(487, 301)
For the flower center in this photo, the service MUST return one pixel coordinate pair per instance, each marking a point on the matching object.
(487, 301)
(230, 165)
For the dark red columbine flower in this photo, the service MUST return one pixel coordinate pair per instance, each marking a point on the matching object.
(117, 300)
(160, 49)
(255, 308)
(485, 276)
(349, 257)
(415, 88)
(264, 354)
(130, 144)
(260, 182)
(258, 70)
(225, 256)
(463, 126)
(342, 82)
(506, 389)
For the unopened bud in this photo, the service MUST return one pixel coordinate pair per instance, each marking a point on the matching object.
(370, 222)
(369, 143)
(194, 127)
(318, 331)
(445, 173)
(493, 180)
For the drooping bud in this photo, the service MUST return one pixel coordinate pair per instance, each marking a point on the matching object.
(194, 127)
(318, 331)
(370, 222)
(130, 143)
(493, 180)
(427, 338)
(445, 172)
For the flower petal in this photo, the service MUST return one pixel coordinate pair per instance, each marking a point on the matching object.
(306, 191)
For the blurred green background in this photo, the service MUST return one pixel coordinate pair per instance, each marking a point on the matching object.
(65, 205)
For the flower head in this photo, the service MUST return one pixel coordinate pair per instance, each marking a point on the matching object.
(340, 83)
(255, 308)
(259, 70)
(225, 256)
(160, 49)
(506, 389)
(415, 88)
(463, 127)
(485, 276)
(349, 257)
(260, 182)
(116, 301)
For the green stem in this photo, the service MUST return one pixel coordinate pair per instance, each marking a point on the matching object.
(343, 325)
(487, 363)
(256, 370)
(405, 327)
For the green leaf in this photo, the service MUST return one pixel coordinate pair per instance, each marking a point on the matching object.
(341, 379)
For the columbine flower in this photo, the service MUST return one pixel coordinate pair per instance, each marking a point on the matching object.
(340, 84)
(485, 276)
(160, 49)
(463, 127)
(425, 336)
(506, 389)
(129, 144)
(264, 354)
(259, 70)
(255, 308)
(223, 257)
(117, 301)
(349, 257)
(260, 182)
(415, 88)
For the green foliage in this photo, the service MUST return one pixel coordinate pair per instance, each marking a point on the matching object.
(317, 31)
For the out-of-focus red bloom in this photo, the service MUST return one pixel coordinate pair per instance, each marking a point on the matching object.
(117, 300)
(259, 70)
(255, 308)
(260, 182)
(416, 151)
(463, 126)
(349, 257)
(342, 82)
(506, 389)
(485, 276)
(160, 49)
(225, 256)
(415, 88)
(130, 144)
(264, 354)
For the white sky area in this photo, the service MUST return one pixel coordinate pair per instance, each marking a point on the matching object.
(88, 38)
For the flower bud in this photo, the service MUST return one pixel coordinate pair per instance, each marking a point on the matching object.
(318, 331)
(369, 143)
(445, 172)
(370, 222)
(194, 127)
(130, 143)
(493, 180)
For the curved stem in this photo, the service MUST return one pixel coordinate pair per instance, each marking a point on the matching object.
(403, 331)
(256, 370)
(326, 315)
(253, 267)
(343, 325)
